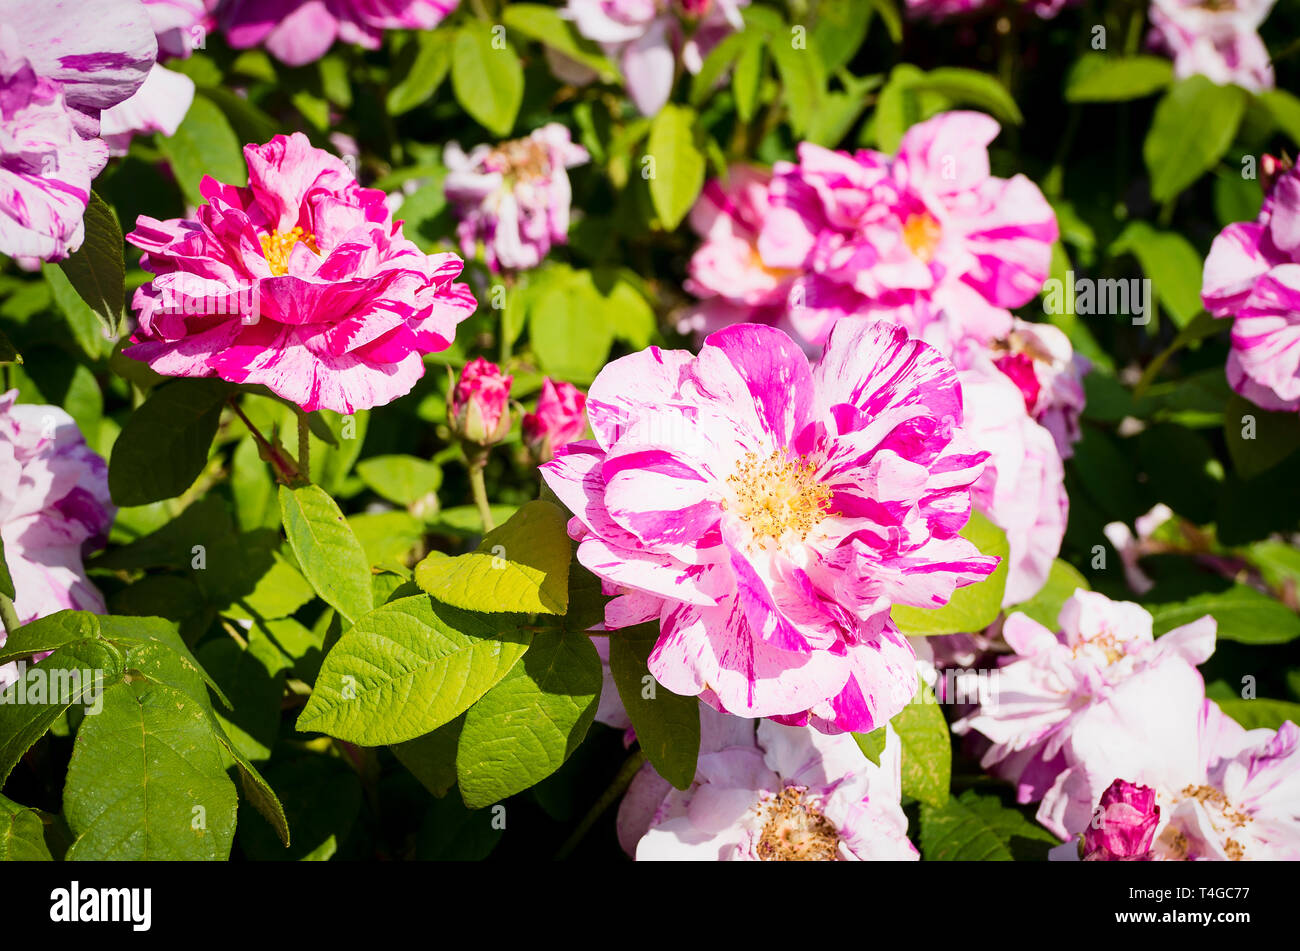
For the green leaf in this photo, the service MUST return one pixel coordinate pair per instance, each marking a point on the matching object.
(1261, 714)
(49, 633)
(1278, 562)
(164, 445)
(1284, 109)
(570, 326)
(401, 479)
(974, 88)
(1172, 264)
(8, 353)
(253, 676)
(153, 646)
(927, 749)
(1243, 615)
(149, 645)
(1258, 439)
(889, 12)
(488, 82)
(97, 270)
(872, 744)
(803, 80)
(545, 25)
(704, 83)
(632, 317)
(204, 144)
(322, 798)
(840, 110)
(255, 789)
(280, 592)
(840, 28)
(421, 67)
(747, 77)
(1193, 126)
(334, 80)
(25, 715)
(87, 328)
(955, 833)
(1103, 77)
(462, 521)
(667, 724)
(321, 430)
(1045, 607)
(527, 725)
(975, 828)
(406, 668)
(388, 538)
(678, 171)
(250, 123)
(329, 554)
(901, 105)
(521, 566)
(973, 607)
(452, 833)
(6, 579)
(147, 780)
(22, 834)
(432, 758)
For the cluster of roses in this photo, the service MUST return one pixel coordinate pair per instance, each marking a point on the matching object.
(1184, 782)
(767, 511)
(71, 98)
(1217, 40)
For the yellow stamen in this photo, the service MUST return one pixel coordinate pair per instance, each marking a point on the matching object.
(522, 159)
(796, 831)
(774, 496)
(278, 245)
(921, 234)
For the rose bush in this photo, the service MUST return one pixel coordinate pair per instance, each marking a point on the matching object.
(696, 429)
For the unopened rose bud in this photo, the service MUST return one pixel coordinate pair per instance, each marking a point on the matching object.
(561, 417)
(1124, 826)
(479, 411)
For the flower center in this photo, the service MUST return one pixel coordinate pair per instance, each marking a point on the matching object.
(278, 245)
(777, 274)
(521, 159)
(1105, 643)
(1225, 818)
(921, 234)
(796, 831)
(774, 496)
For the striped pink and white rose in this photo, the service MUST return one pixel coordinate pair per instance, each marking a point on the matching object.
(62, 64)
(54, 508)
(1252, 275)
(769, 514)
(302, 282)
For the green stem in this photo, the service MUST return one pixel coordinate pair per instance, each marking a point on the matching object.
(8, 615)
(505, 345)
(304, 446)
(627, 772)
(285, 471)
(479, 489)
